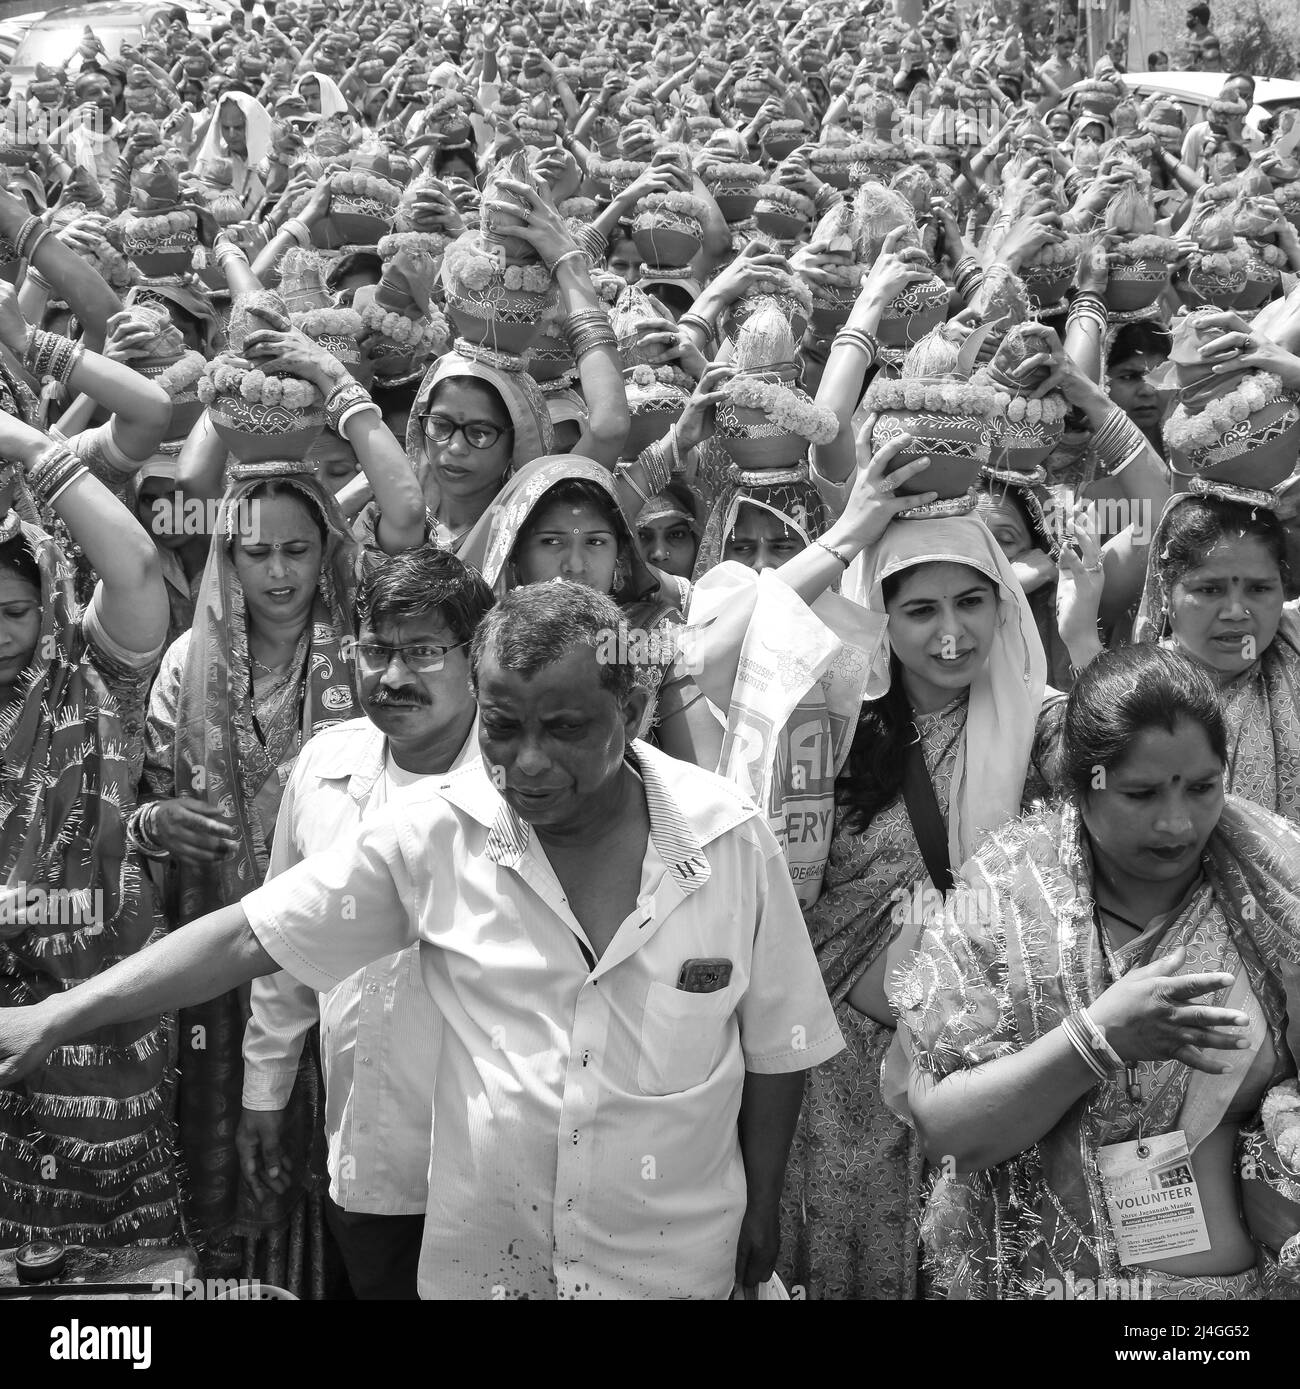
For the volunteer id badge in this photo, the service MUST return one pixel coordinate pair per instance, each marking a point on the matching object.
(1154, 1206)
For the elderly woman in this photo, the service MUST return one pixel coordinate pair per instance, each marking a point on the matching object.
(86, 1140)
(1102, 1007)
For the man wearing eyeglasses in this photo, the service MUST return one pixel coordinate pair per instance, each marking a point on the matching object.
(379, 1029)
(628, 993)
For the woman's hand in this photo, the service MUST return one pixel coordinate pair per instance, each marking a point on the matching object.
(751, 267)
(190, 828)
(1149, 1015)
(1093, 274)
(13, 326)
(543, 228)
(1065, 375)
(698, 420)
(874, 501)
(318, 204)
(895, 268)
(1028, 237)
(675, 344)
(128, 334)
(795, 172)
(294, 352)
(657, 178)
(432, 210)
(1080, 581)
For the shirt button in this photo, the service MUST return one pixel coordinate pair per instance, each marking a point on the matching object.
(568, 1205)
(586, 1056)
(366, 1060)
(575, 1135)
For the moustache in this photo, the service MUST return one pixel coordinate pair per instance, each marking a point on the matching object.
(383, 697)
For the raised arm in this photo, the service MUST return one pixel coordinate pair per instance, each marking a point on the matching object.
(132, 601)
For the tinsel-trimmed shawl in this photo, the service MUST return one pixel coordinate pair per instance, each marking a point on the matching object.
(1015, 952)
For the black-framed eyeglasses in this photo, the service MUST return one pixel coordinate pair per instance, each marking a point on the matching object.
(479, 434)
(418, 657)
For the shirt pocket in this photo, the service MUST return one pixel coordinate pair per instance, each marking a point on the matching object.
(682, 1036)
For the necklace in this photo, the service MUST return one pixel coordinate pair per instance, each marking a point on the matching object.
(1123, 920)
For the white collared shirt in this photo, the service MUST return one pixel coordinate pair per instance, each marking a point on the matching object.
(379, 1028)
(586, 1142)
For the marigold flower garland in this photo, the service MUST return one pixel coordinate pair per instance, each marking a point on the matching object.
(358, 183)
(161, 226)
(789, 409)
(404, 331)
(468, 265)
(1188, 432)
(940, 396)
(332, 323)
(1145, 247)
(255, 386)
(685, 205)
(182, 373)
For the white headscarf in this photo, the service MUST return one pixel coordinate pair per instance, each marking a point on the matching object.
(257, 132)
(332, 100)
(1007, 692)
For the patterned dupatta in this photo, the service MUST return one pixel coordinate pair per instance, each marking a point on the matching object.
(1261, 706)
(1015, 952)
(218, 753)
(219, 757)
(68, 770)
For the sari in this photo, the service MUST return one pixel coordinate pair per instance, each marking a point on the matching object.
(1014, 951)
(533, 436)
(850, 1212)
(86, 1141)
(216, 735)
(1261, 705)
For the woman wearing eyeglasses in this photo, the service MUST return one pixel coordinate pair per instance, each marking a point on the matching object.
(266, 664)
(479, 417)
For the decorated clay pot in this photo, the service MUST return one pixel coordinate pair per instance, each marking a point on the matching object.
(782, 138)
(502, 319)
(1258, 453)
(957, 446)
(833, 166)
(753, 441)
(831, 309)
(156, 256)
(652, 415)
(781, 217)
(1019, 446)
(186, 405)
(665, 239)
(257, 433)
(1261, 280)
(360, 221)
(1047, 285)
(1198, 286)
(549, 358)
(1134, 285)
(911, 316)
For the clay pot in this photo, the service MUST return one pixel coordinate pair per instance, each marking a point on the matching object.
(1261, 280)
(1259, 453)
(1197, 286)
(1047, 285)
(911, 316)
(1018, 446)
(779, 219)
(186, 405)
(957, 446)
(257, 433)
(1135, 285)
(158, 256)
(664, 239)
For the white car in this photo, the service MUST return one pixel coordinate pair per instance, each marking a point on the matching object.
(1194, 91)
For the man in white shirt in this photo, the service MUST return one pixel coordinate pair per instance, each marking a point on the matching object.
(417, 615)
(628, 993)
(1237, 88)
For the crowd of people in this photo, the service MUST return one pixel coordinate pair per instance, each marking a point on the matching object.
(650, 652)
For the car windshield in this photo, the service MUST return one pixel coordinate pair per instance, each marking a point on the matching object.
(58, 43)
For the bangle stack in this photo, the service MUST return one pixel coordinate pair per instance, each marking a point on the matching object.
(39, 280)
(588, 330)
(1082, 1034)
(49, 355)
(299, 230)
(1088, 304)
(967, 277)
(591, 243)
(825, 198)
(860, 339)
(1073, 185)
(140, 831)
(655, 462)
(53, 473)
(27, 236)
(348, 398)
(1117, 442)
(700, 324)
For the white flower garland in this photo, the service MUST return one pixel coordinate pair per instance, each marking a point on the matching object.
(255, 386)
(357, 183)
(182, 373)
(942, 396)
(789, 409)
(1188, 432)
(404, 331)
(162, 225)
